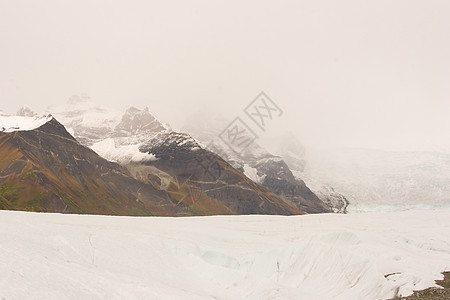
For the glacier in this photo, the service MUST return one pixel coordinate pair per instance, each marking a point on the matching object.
(324, 256)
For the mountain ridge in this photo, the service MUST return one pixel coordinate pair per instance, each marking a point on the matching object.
(47, 169)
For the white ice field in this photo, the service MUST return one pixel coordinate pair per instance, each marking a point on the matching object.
(329, 256)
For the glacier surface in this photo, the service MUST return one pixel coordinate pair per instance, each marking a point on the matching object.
(329, 256)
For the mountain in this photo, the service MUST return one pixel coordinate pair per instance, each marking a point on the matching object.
(119, 137)
(85, 120)
(271, 171)
(113, 134)
(137, 122)
(46, 169)
(122, 142)
(141, 143)
(184, 158)
(43, 168)
(287, 146)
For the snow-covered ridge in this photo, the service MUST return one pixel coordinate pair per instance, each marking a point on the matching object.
(92, 123)
(22, 123)
(85, 118)
(172, 139)
(114, 134)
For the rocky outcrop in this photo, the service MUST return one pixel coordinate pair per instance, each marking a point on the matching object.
(280, 180)
(135, 122)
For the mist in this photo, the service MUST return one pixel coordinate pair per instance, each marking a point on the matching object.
(368, 74)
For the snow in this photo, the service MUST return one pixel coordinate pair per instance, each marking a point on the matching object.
(336, 201)
(383, 180)
(252, 173)
(87, 113)
(109, 150)
(21, 123)
(53, 256)
(116, 135)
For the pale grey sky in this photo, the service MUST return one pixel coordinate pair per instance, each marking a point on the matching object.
(346, 73)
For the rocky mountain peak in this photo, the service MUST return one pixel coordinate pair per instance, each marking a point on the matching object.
(167, 143)
(136, 121)
(25, 111)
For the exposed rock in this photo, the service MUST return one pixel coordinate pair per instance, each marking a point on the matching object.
(433, 293)
(182, 157)
(26, 112)
(135, 122)
(271, 170)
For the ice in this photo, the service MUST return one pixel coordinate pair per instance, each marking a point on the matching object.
(329, 256)
(374, 180)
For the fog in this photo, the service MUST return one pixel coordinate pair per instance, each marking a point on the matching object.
(371, 74)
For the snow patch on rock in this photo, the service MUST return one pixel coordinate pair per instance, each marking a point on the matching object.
(252, 173)
(22, 123)
(121, 153)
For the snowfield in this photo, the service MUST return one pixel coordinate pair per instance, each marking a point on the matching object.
(121, 153)
(20, 123)
(330, 256)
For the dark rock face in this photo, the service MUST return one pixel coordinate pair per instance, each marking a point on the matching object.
(280, 180)
(46, 169)
(181, 157)
(273, 171)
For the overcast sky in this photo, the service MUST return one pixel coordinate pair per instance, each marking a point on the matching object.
(346, 73)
